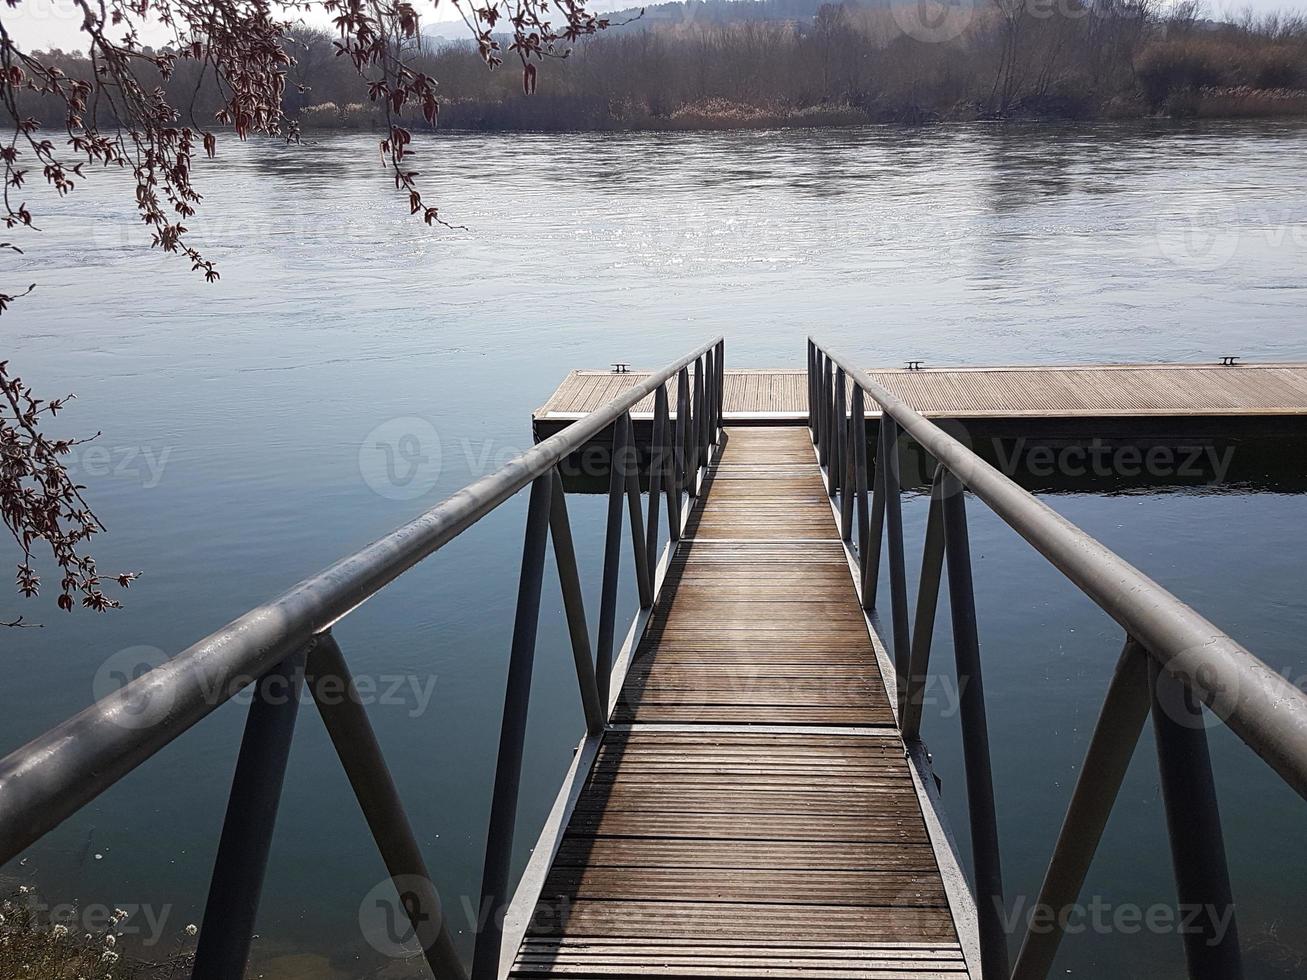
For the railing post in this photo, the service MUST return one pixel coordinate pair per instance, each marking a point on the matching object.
(704, 411)
(848, 484)
(612, 569)
(871, 567)
(1193, 823)
(835, 470)
(560, 530)
(666, 439)
(811, 374)
(237, 883)
(1121, 719)
(696, 427)
(341, 707)
(630, 463)
(512, 736)
(814, 399)
(655, 487)
(720, 413)
(827, 417)
(911, 693)
(710, 401)
(898, 576)
(975, 734)
(682, 433)
(832, 422)
(860, 480)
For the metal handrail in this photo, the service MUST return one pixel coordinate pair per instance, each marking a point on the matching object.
(288, 641)
(1173, 659)
(1264, 708)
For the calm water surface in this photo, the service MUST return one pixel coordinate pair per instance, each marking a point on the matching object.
(234, 416)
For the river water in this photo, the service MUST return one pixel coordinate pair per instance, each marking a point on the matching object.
(236, 420)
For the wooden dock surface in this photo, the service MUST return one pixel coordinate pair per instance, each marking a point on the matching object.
(751, 813)
(1087, 391)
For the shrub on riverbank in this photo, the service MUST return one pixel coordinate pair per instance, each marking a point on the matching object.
(1241, 102)
(1221, 75)
(352, 115)
(34, 947)
(560, 113)
(724, 114)
(1170, 67)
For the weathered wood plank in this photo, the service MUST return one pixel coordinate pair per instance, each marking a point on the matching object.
(804, 855)
(831, 926)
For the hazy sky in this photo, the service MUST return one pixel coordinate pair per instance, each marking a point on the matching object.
(55, 23)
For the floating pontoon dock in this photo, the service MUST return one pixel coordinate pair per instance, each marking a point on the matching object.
(1107, 391)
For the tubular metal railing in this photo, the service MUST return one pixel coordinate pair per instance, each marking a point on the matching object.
(288, 642)
(1173, 663)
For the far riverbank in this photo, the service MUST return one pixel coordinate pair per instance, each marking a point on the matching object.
(545, 113)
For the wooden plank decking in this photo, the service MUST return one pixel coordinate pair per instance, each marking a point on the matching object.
(1084, 391)
(751, 813)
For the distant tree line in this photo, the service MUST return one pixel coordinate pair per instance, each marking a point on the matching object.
(701, 66)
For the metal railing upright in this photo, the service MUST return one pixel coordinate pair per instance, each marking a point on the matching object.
(288, 643)
(1174, 663)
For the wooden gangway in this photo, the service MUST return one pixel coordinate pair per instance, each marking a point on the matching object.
(752, 811)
